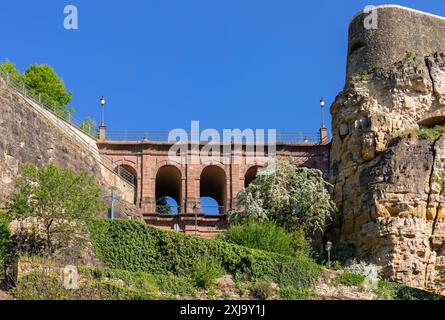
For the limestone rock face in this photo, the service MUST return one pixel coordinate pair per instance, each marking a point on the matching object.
(388, 181)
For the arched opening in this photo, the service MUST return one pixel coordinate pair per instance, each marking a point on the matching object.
(250, 175)
(168, 190)
(167, 205)
(432, 120)
(213, 190)
(129, 174)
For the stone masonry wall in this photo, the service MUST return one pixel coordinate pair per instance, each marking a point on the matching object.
(28, 136)
(399, 30)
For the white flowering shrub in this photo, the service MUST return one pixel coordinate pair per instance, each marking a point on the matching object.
(292, 196)
(371, 272)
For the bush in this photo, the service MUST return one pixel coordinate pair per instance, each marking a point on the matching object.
(397, 291)
(350, 279)
(167, 284)
(43, 284)
(365, 269)
(291, 196)
(267, 236)
(207, 271)
(5, 242)
(134, 246)
(262, 290)
(293, 293)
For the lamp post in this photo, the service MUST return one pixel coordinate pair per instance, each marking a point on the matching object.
(113, 197)
(102, 102)
(322, 112)
(323, 130)
(328, 249)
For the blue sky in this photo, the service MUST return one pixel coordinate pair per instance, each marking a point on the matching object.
(229, 64)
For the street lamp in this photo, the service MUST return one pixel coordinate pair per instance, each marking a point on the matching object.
(328, 249)
(102, 102)
(322, 112)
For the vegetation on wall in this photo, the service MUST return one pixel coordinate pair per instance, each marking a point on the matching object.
(5, 242)
(133, 246)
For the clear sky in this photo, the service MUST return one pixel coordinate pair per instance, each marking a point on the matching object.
(160, 64)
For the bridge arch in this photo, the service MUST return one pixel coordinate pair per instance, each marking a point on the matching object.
(250, 175)
(169, 185)
(129, 174)
(213, 184)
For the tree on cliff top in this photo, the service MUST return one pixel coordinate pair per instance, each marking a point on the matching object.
(10, 69)
(57, 201)
(89, 126)
(44, 80)
(293, 197)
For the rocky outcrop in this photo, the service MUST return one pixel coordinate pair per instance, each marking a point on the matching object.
(389, 177)
(28, 136)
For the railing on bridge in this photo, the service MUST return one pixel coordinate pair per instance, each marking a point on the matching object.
(164, 136)
(175, 210)
(168, 210)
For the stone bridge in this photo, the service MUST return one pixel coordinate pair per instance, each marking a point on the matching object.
(156, 174)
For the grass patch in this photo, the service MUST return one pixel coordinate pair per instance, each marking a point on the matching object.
(293, 293)
(206, 273)
(349, 279)
(262, 290)
(361, 75)
(170, 286)
(42, 284)
(426, 133)
(397, 291)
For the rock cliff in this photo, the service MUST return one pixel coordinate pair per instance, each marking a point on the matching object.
(387, 167)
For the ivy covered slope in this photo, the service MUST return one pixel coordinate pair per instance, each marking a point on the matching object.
(5, 242)
(133, 246)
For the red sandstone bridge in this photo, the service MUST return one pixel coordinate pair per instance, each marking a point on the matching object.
(143, 159)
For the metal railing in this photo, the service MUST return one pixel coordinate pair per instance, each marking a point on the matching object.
(74, 123)
(212, 210)
(125, 174)
(163, 136)
(175, 210)
(49, 104)
(168, 210)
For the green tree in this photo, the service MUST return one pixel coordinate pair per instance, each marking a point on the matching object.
(89, 126)
(44, 80)
(162, 206)
(291, 196)
(57, 201)
(9, 68)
